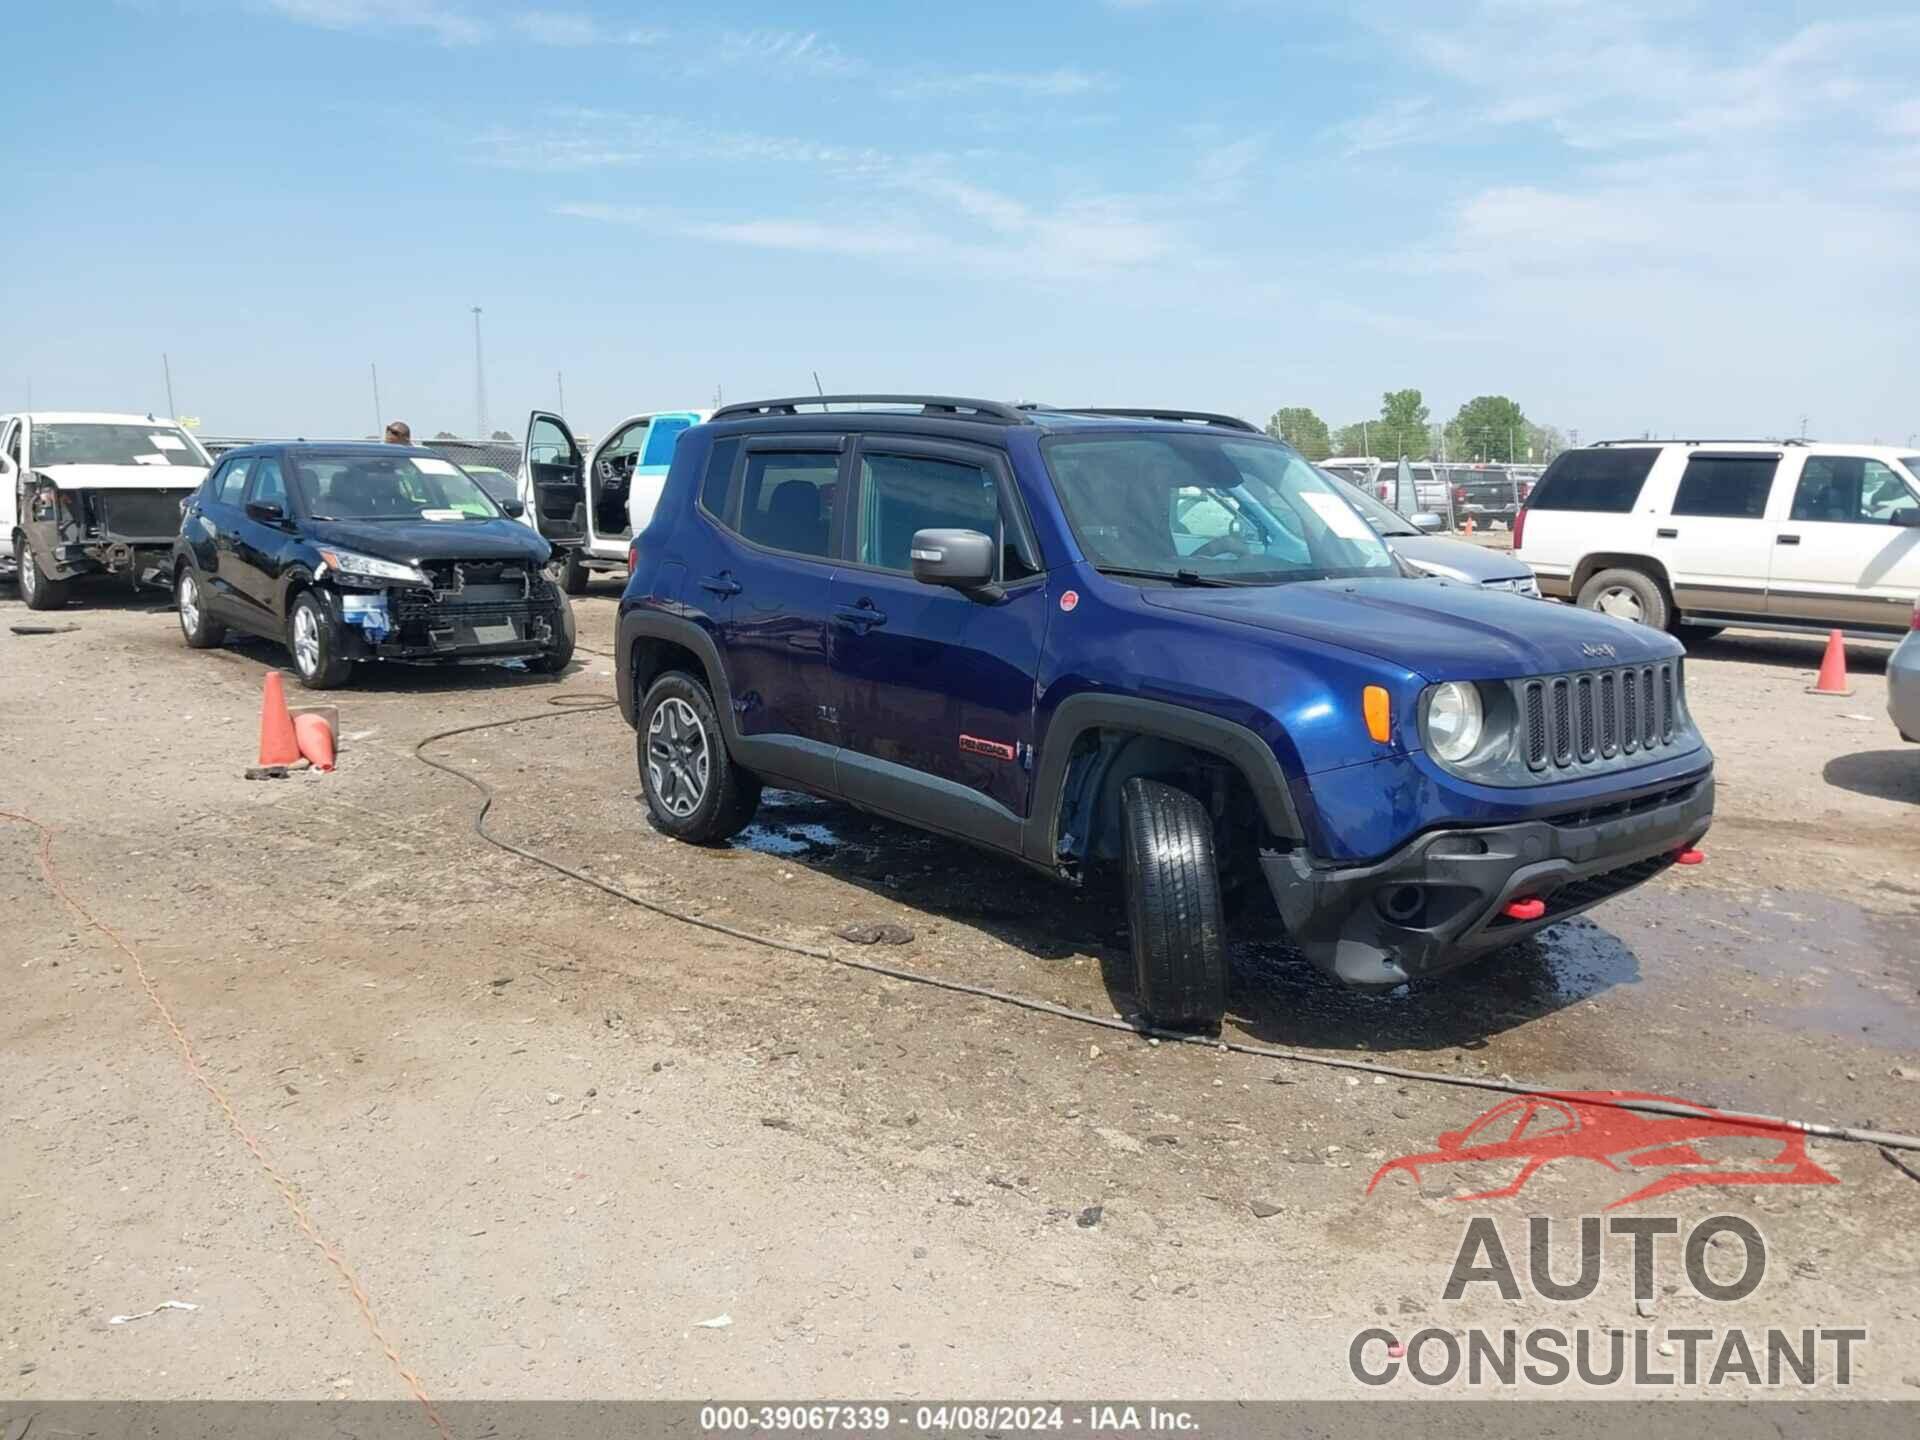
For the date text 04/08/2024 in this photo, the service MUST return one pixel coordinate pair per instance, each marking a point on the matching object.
(940, 1418)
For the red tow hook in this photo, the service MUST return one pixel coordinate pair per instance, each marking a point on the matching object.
(1689, 856)
(1525, 910)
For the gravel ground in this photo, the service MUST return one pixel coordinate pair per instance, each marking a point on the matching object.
(554, 1133)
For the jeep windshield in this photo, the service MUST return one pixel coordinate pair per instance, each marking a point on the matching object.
(1202, 509)
(94, 443)
(378, 487)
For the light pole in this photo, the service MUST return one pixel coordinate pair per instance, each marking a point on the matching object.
(479, 379)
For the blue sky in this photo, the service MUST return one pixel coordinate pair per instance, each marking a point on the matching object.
(1684, 217)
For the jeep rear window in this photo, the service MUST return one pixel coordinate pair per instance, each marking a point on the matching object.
(1199, 508)
(1607, 481)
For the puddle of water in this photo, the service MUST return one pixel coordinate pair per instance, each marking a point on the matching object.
(785, 839)
(1811, 963)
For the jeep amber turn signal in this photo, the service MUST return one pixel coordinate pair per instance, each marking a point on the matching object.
(1379, 713)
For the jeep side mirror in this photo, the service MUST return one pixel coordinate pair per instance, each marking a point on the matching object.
(513, 509)
(266, 511)
(1428, 521)
(960, 559)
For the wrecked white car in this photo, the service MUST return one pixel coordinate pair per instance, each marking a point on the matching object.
(92, 494)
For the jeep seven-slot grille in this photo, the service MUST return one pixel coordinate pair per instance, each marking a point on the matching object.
(1599, 715)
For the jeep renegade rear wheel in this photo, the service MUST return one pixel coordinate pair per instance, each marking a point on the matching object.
(1173, 907)
(694, 790)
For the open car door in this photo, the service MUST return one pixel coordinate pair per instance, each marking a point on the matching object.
(555, 479)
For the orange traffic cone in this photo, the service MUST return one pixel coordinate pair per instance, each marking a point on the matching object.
(277, 743)
(316, 739)
(1833, 668)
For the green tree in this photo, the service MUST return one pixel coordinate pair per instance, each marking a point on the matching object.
(1490, 427)
(1352, 439)
(1402, 428)
(1302, 429)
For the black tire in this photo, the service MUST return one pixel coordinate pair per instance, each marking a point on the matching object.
(324, 667)
(202, 632)
(570, 573)
(1178, 929)
(557, 656)
(1621, 591)
(1691, 634)
(37, 588)
(702, 805)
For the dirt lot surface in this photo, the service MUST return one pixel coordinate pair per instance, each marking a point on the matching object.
(553, 1132)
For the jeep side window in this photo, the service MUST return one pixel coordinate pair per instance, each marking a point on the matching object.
(900, 494)
(1734, 486)
(719, 478)
(786, 500)
(1850, 490)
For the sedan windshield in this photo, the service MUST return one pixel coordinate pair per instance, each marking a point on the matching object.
(1200, 509)
(94, 443)
(378, 487)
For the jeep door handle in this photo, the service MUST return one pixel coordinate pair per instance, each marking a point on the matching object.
(859, 617)
(723, 585)
(1786, 540)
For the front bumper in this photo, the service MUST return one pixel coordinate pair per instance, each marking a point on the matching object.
(1439, 900)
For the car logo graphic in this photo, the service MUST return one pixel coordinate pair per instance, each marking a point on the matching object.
(1069, 600)
(1701, 1146)
(1598, 650)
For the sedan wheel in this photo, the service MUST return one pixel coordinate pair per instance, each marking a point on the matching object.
(306, 641)
(189, 605)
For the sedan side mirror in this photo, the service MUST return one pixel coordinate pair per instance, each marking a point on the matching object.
(513, 509)
(1428, 521)
(1910, 518)
(267, 512)
(959, 559)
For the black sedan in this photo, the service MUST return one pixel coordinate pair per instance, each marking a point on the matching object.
(363, 552)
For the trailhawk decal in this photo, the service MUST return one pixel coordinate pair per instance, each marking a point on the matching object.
(992, 749)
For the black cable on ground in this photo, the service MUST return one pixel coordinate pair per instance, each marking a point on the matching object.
(1624, 1100)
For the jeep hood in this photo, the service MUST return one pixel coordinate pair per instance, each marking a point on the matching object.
(1437, 628)
(411, 541)
(123, 477)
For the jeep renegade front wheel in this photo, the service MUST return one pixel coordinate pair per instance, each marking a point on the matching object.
(694, 790)
(1173, 907)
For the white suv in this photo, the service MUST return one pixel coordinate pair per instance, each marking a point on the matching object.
(1701, 534)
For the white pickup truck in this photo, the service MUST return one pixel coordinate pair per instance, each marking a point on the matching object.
(88, 493)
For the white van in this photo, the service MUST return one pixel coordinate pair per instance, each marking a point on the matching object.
(590, 507)
(1701, 534)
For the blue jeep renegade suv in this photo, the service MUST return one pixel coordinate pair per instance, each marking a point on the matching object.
(1157, 641)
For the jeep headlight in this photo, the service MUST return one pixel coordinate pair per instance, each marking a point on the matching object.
(1455, 721)
(370, 567)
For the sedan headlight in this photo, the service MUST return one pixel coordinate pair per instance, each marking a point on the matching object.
(371, 567)
(1455, 720)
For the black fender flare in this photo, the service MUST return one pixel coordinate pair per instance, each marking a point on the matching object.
(1232, 742)
(637, 625)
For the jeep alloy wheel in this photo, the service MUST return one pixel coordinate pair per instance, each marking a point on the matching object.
(678, 761)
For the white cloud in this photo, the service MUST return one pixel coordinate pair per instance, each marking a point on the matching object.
(1053, 84)
(573, 29)
(447, 25)
(800, 51)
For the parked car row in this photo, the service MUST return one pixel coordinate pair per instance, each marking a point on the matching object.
(1155, 646)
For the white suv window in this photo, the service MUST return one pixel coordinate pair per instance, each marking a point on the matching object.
(1850, 490)
(1733, 486)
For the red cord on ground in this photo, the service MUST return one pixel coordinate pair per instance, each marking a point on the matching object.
(301, 1217)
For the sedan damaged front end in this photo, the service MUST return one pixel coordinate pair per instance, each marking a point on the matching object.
(444, 609)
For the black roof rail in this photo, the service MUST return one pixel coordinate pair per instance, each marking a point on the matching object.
(992, 411)
(1718, 440)
(1200, 417)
